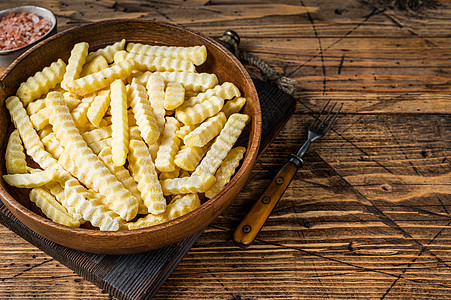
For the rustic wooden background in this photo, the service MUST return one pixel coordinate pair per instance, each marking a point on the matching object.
(368, 217)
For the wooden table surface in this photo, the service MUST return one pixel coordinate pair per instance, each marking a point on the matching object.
(368, 217)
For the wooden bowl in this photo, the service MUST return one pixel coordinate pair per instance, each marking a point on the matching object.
(220, 62)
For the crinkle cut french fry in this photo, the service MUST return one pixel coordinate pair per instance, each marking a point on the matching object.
(135, 133)
(71, 101)
(195, 54)
(226, 170)
(170, 175)
(143, 112)
(174, 95)
(124, 176)
(169, 146)
(155, 89)
(91, 210)
(97, 134)
(226, 91)
(155, 63)
(107, 52)
(198, 82)
(98, 107)
(79, 113)
(119, 198)
(179, 206)
(41, 82)
(51, 208)
(57, 191)
(198, 113)
(206, 131)
(187, 185)
(75, 63)
(184, 130)
(97, 81)
(40, 119)
(35, 106)
(119, 118)
(15, 159)
(144, 172)
(45, 131)
(32, 180)
(53, 145)
(27, 133)
(222, 145)
(97, 146)
(233, 106)
(95, 65)
(189, 157)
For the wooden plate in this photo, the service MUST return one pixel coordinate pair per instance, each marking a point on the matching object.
(220, 61)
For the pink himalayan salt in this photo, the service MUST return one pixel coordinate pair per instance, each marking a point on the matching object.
(18, 30)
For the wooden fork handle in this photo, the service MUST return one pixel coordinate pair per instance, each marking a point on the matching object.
(251, 224)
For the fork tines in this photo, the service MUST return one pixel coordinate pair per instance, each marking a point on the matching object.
(326, 118)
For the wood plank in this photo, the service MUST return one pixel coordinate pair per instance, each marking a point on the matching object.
(368, 217)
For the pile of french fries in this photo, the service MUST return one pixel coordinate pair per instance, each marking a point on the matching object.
(126, 137)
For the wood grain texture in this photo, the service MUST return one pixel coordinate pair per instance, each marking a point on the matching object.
(368, 217)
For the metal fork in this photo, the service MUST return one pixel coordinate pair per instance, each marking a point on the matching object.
(250, 226)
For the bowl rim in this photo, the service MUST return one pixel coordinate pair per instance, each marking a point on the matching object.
(30, 9)
(17, 206)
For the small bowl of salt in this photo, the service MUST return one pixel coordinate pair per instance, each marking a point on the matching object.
(23, 27)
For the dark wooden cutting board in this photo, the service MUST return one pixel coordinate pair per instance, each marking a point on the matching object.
(139, 276)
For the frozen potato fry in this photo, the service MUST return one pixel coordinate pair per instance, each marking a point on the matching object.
(51, 207)
(226, 91)
(71, 100)
(53, 145)
(169, 146)
(143, 112)
(226, 170)
(97, 146)
(188, 157)
(15, 156)
(80, 113)
(95, 65)
(41, 82)
(185, 130)
(107, 52)
(173, 96)
(179, 206)
(124, 176)
(197, 82)
(97, 81)
(187, 185)
(35, 106)
(75, 64)
(23, 124)
(206, 131)
(155, 63)
(57, 191)
(233, 106)
(144, 172)
(40, 119)
(119, 198)
(97, 134)
(195, 54)
(196, 114)
(222, 145)
(32, 180)
(155, 89)
(170, 175)
(119, 126)
(93, 211)
(98, 107)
